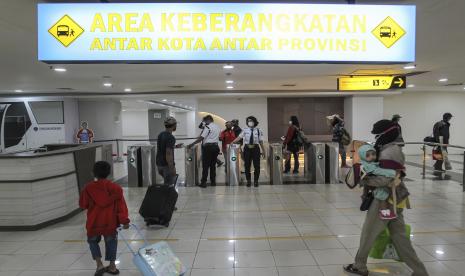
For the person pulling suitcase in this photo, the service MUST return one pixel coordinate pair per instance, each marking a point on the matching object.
(166, 143)
(160, 200)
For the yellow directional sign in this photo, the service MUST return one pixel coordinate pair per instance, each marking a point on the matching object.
(66, 30)
(359, 83)
(388, 32)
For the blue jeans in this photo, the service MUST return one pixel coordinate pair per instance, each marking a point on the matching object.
(111, 247)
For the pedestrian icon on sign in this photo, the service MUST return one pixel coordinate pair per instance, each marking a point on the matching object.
(72, 32)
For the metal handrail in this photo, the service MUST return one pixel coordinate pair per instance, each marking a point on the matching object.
(431, 144)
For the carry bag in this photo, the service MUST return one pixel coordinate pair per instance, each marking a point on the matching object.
(353, 177)
(158, 205)
(384, 248)
(154, 259)
(437, 154)
(346, 138)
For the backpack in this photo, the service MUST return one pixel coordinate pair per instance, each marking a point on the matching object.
(299, 138)
(345, 139)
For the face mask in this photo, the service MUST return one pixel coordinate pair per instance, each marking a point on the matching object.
(290, 122)
(251, 124)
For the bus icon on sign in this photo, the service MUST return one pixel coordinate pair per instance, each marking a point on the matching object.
(62, 30)
(385, 32)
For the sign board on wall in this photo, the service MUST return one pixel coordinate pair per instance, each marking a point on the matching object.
(214, 32)
(359, 83)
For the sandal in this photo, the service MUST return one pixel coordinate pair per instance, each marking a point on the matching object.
(351, 269)
(100, 271)
(107, 270)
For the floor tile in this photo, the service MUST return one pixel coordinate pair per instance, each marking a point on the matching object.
(332, 256)
(293, 258)
(254, 259)
(300, 271)
(214, 260)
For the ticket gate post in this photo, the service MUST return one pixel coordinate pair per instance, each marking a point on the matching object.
(276, 164)
(332, 163)
(192, 161)
(233, 161)
(315, 163)
(142, 169)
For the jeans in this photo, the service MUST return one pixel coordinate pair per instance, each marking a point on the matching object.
(287, 166)
(168, 177)
(111, 247)
(342, 152)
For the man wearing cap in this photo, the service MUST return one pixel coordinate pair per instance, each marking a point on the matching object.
(209, 138)
(166, 143)
(395, 120)
(441, 135)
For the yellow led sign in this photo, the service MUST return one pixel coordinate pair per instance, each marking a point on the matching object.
(360, 83)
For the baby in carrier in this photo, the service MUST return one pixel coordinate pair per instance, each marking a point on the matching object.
(369, 166)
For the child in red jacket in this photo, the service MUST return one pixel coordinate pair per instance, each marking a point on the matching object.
(106, 211)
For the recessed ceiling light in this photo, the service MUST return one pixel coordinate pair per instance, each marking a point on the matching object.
(228, 66)
(443, 80)
(173, 102)
(439, 252)
(230, 87)
(229, 81)
(107, 84)
(127, 89)
(164, 100)
(123, 110)
(411, 85)
(59, 69)
(410, 66)
(18, 90)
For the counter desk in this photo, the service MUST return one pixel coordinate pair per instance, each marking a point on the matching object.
(38, 189)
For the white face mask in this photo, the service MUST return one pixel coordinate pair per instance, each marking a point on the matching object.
(290, 122)
(251, 124)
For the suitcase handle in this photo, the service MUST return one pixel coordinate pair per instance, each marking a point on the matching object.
(120, 232)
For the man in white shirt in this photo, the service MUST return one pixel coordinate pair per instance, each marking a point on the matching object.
(210, 150)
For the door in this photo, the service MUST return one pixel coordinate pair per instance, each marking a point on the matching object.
(16, 123)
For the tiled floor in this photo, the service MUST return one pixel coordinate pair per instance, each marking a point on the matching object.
(293, 230)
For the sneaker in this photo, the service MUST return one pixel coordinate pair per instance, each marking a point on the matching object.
(213, 184)
(387, 214)
(203, 185)
(255, 184)
(249, 184)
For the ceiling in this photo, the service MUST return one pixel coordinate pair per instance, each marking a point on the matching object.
(440, 40)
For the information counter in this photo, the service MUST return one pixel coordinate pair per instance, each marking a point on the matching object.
(41, 188)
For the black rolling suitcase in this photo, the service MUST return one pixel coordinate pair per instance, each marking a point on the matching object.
(158, 205)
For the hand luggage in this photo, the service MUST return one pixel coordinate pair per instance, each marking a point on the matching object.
(155, 259)
(159, 204)
(384, 248)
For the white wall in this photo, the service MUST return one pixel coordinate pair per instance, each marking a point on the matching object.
(420, 110)
(135, 124)
(71, 114)
(230, 108)
(360, 113)
(103, 117)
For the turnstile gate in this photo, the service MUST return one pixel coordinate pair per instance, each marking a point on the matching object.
(275, 161)
(332, 163)
(142, 170)
(315, 163)
(233, 161)
(192, 162)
